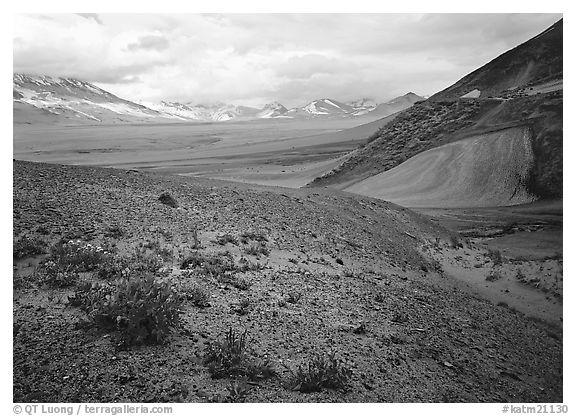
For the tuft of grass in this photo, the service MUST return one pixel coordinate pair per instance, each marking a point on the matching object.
(220, 267)
(242, 307)
(241, 283)
(322, 371)
(231, 357)
(226, 239)
(199, 296)
(257, 236)
(493, 276)
(195, 244)
(115, 231)
(455, 241)
(255, 249)
(210, 265)
(237, 391)
(495, 256)
(400, 318)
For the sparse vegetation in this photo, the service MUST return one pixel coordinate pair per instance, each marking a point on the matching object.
(231, 357)
(226, 239)
(293, 297)
(414, 130)
(115, 231)
(237, 391)
(56, 275)
(216, 265)
(28, 247)
(256, 249)
(246, 236)
(493, 276)
(495, 256)
(455, 241)
(197, 295)
(241, 283)
(322, 371)
(242, 307)
(78, 256)
(142, 309)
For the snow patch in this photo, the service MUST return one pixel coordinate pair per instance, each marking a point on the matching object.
(475, 93)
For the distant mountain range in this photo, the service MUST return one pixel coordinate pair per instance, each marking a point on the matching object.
(44, 99)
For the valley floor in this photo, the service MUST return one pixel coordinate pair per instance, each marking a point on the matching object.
(365, 279)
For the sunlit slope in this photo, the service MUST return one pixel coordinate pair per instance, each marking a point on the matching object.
(485, 170)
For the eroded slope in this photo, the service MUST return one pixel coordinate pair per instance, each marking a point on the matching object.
(486, 170)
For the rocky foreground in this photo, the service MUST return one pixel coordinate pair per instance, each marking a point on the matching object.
(303, 279)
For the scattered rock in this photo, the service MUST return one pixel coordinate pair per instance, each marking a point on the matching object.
(168, 199)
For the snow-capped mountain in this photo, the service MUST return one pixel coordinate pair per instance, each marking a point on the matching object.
(67, 100)
(180, 111)
(327, 107)
(201, 112)
(397, 104)
(322, 107)
(51, 99)
(362, 106)
(273, 110)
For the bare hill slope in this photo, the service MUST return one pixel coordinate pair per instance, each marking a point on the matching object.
(485, 170)
(299, 272)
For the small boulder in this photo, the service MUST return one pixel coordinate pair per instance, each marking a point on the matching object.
(167, 199)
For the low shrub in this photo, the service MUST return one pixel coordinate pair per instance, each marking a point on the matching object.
(220, 266)
(56, 275)
(197, 295)
(493, 276)
(78, 256)
(253, 235)
(116, 267)
(293, 297)
(322, 371)
(455, 241)
(495, 256)
(113, 268)
(28, 247)
(115, 231)
(241, 283)
(226, 239)
(256, 249)
(237, 391)
(142, 309)
(242, 307)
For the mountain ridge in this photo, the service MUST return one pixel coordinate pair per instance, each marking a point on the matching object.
(55, 99)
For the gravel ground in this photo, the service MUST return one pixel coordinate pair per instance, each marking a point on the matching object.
(366, 293)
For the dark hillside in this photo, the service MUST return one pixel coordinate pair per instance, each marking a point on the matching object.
(534, 62)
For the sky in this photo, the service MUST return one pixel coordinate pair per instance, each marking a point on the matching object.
(254, 59)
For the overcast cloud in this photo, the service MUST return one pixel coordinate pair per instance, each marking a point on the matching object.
(255, 59)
